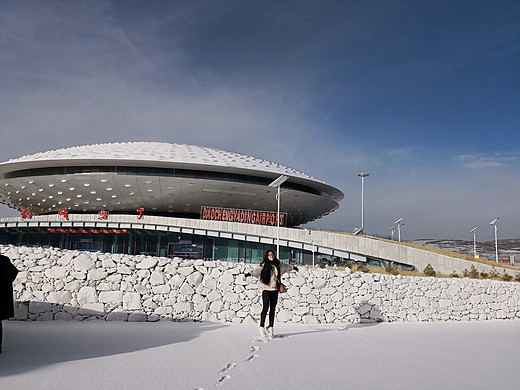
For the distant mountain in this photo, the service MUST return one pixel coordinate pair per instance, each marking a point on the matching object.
(485, 249)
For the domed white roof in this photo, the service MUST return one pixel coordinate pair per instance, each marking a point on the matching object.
(163, 152)
(160, 177)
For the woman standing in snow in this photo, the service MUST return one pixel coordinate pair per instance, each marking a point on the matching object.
(269, 273)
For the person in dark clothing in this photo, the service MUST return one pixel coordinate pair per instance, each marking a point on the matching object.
(269, 273)
(8, 274)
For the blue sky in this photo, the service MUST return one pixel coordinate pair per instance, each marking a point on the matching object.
(424, 95)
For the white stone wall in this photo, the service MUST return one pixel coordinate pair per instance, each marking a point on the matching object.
(56, 284)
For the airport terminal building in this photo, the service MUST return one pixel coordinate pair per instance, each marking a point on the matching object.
(160, 199)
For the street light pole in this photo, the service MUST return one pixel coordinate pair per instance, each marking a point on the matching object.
(474, 231)
(398, 223)
(313, 251)
(362, 176)
(494, 223)
(392, 230)
(313, 246)
(278, 183)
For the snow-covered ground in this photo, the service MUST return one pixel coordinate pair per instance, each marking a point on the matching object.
(189, 355)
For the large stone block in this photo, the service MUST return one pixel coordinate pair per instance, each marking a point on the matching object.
(56, 272)
(47, 316)
(108, 263)
(162, 289)
(226, 278)
(117, 316)
(183, 307)
(137, 317)
(337, 296)
(60, 297)
(84, 263)
(131, 301)
(21, 311)
(185, 270)
(66, 259)
(87, 295)
(300, 311)
(195, 278)
(231, 297)
(216, 306)
(147, 263)
(186, 289)
(92, 309)
(124, 270)
(319, 283)
(97, 274)
(176, 281)
(113, 297)
(63, 316)
(157, 278)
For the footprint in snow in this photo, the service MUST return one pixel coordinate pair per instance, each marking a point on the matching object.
(279, 336)
(322, 328)
(227, 368)
(222, 380)
(252, 357)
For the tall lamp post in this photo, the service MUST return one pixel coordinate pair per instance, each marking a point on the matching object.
(362, 176)
(392, 231)
(494, 223)
(474, 231)
(398, 224)
(313, 246)
(313, 251)
(277, 183)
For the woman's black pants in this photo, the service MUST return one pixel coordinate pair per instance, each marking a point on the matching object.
(269, 300)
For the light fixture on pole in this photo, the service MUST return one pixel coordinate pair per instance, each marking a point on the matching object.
(398, 224)
(362, 228)
(313, 246)
(313, 251)
(494, 223)
(474, 231)
(392, 231)
(277, 183)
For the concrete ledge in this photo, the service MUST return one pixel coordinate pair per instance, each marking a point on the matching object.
(352, 247)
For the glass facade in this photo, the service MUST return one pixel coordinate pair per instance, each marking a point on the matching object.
(152, 243)
(170, 244)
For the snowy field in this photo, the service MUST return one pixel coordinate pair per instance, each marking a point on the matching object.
(188, 355)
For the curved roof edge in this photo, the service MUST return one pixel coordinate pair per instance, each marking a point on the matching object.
(164, 154)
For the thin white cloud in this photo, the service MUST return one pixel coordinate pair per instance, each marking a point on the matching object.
(491, 160)
(400, 154)
(483, 163)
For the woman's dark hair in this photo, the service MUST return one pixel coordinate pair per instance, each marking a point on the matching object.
(265, 275)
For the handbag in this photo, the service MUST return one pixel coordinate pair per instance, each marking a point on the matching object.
(281, 287)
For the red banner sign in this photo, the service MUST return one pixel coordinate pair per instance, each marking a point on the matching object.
(243, 216)
(103, 214)
(95, 231)
(64, 213)
(26, 213)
